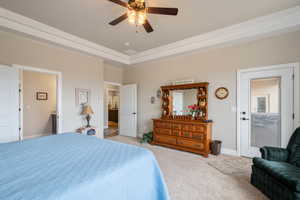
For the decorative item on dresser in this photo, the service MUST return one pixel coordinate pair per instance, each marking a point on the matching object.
(177, 128)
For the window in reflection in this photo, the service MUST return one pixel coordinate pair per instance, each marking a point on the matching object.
(181, 99)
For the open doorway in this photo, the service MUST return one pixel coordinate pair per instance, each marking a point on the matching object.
(39, 103)
(112, 108)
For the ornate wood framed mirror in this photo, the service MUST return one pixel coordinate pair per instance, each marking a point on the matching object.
(178, 99)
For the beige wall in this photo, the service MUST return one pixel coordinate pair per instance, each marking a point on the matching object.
(216, 66)
(112, 73)
(78, 71)
(37, 113)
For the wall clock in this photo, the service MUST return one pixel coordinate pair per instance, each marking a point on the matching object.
(222, 93)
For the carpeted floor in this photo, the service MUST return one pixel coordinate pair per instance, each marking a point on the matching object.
(192, 177)
(111, 132)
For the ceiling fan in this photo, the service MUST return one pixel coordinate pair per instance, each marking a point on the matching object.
(137, 13)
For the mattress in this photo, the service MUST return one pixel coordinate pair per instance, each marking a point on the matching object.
(76, 167)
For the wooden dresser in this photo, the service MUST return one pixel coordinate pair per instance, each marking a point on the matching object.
(192, 136)
(184, 123)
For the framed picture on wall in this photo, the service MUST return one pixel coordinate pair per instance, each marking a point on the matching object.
(82, 96)
(42, 96)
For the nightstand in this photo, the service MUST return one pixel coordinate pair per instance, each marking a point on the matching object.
(92, 131)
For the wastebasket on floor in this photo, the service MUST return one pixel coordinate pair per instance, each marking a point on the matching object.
(216, 147)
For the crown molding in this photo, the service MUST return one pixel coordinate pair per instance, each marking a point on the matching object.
(282, 21)
(19, 23)
(268, 25)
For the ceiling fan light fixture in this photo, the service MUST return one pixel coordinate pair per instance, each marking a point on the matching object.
(137, 13)
(141, 18)
(136, 18)
(131, 16)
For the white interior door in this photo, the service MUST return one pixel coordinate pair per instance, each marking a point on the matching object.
(9, 104)
(128, 110)
(266, 109)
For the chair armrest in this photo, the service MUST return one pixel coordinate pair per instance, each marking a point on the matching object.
(274, 154)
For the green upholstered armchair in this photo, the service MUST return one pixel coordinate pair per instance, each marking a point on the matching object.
(277, 173)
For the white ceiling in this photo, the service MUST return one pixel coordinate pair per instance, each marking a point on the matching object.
(89, 19)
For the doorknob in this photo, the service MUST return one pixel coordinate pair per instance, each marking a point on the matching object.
(244, 118)
(134, 113)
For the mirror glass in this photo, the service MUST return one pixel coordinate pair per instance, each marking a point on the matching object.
(181, 99)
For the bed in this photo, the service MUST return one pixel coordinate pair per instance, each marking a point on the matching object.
(76, 167)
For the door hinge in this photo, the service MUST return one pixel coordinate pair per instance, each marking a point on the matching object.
(293, 76)
(20, 90)
(19, 129)
(19, 109)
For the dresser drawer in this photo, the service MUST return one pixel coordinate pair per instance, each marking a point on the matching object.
(198, 136)
(187, 127)
(176, 126)
(162, 125)
(163, 131)
(176, 132)
(190, 144)
(165, 139)
(200, 128)
(196, 128)
(182, 134)
(186, 134)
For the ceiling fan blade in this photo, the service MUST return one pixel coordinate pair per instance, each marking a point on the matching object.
(119, 19)
(121, 3)
(162, 11)
(148, 27)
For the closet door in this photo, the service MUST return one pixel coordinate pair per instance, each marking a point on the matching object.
(128, 110)
(9, 104)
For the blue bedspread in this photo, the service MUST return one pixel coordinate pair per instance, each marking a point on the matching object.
(73, 167)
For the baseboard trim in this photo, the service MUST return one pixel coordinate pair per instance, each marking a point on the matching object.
(231, 152)
(36, 136)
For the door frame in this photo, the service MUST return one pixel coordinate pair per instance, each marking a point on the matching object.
(295, 67)
(105, 106)
(58, 74)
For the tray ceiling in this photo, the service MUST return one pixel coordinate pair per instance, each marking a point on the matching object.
(89, 19)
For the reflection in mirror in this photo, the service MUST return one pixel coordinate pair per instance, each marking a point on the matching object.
(181, 99)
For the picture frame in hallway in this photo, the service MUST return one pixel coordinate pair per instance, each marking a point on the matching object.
(82, 96)
(42, 96)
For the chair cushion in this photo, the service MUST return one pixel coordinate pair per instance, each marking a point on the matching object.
(294, 157)
(284, 172)
(295, 139)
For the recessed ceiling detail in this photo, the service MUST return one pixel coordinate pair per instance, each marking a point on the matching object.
(277, 22)
(89, 19)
